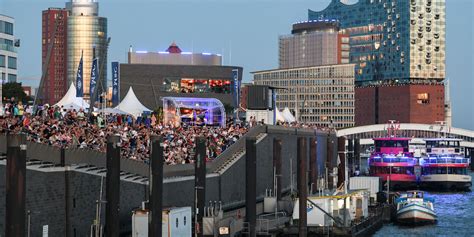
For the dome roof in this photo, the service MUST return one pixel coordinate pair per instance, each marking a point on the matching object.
(173, 48)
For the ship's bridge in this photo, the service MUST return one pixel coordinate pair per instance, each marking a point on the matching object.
(418, 132)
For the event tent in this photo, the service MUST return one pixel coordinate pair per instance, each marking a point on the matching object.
(279, 116)
(288, 116)
(131, 105)
(70, 101)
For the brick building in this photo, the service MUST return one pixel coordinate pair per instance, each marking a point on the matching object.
(407, 103)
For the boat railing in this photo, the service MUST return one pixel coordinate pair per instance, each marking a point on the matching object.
(393, 160)
(446, 160)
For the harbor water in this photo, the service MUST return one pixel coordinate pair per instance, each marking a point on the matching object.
(455, 218)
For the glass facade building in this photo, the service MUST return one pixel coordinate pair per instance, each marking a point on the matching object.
(8, 51)
(322, 95)
(86, 35)
(393, 40)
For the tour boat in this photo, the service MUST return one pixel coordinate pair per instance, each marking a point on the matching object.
(445, 167)
(414, 208)
(392, 161)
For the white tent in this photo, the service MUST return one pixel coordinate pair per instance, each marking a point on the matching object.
(131, 105)
(279, 116)
(70, 101)
(111, 111)
(288, 116)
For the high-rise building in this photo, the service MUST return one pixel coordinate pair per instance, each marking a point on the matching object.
(396, 42)
(54, 35)
(317, 81)
(8, 54)
(314, 43)
(87, 36)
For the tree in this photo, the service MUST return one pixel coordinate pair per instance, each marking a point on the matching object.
(14, 90)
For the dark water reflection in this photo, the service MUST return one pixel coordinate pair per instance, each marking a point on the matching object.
(455, 218)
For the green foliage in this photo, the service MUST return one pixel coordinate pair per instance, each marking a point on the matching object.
(14, 90)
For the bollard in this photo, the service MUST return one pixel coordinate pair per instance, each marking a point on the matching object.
(15, 214)
(341, 169)
(277, 165)
(251, 184)
(156, 187)
(313, 165)
(112, 189)
(302, 185)
(200, 184)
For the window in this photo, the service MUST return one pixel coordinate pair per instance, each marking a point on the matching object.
(423, 98)
(2, 61)
(12, 62)
(6, 27)
(11, 78)
(171, 84)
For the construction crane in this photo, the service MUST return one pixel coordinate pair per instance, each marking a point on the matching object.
(47, 62)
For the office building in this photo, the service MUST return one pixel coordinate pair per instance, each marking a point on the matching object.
(174, 56)
(87, 36)
(321, 95)
(314, 43)
(174, 73)
(8, 52)
(394, 42)
(54, 35)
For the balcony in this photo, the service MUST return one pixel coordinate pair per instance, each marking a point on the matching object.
(7, 47)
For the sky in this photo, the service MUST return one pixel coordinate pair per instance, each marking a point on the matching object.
(245, 32)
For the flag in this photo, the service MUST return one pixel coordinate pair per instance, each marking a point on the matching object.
(79, 82)
(115, 84)
(235, 78)
(93, 82)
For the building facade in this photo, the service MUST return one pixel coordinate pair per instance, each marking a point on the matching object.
(394, 42)
(314, 43)
(86, 36)
(402, 102)
(8, 52)
(399, 40)
(322, 95)
(54, 29)
(174, 56)
(153, 82)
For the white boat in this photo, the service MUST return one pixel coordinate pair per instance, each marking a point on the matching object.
(445, 168)
(414, 208)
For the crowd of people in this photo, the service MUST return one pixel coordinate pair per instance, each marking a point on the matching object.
(75, 129)
(69, 128)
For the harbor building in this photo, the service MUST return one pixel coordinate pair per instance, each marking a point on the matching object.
(86, 36)
(321, 95)
(176, 73)
(54, 29)
(394, 42)
(8, 51)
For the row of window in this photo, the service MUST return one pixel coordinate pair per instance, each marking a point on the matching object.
(198, 85)
(6, 27)
(11, 62)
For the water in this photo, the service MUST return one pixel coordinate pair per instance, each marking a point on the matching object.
(455, 218)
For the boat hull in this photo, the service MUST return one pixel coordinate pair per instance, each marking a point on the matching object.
(416, 214)
(443, 182)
